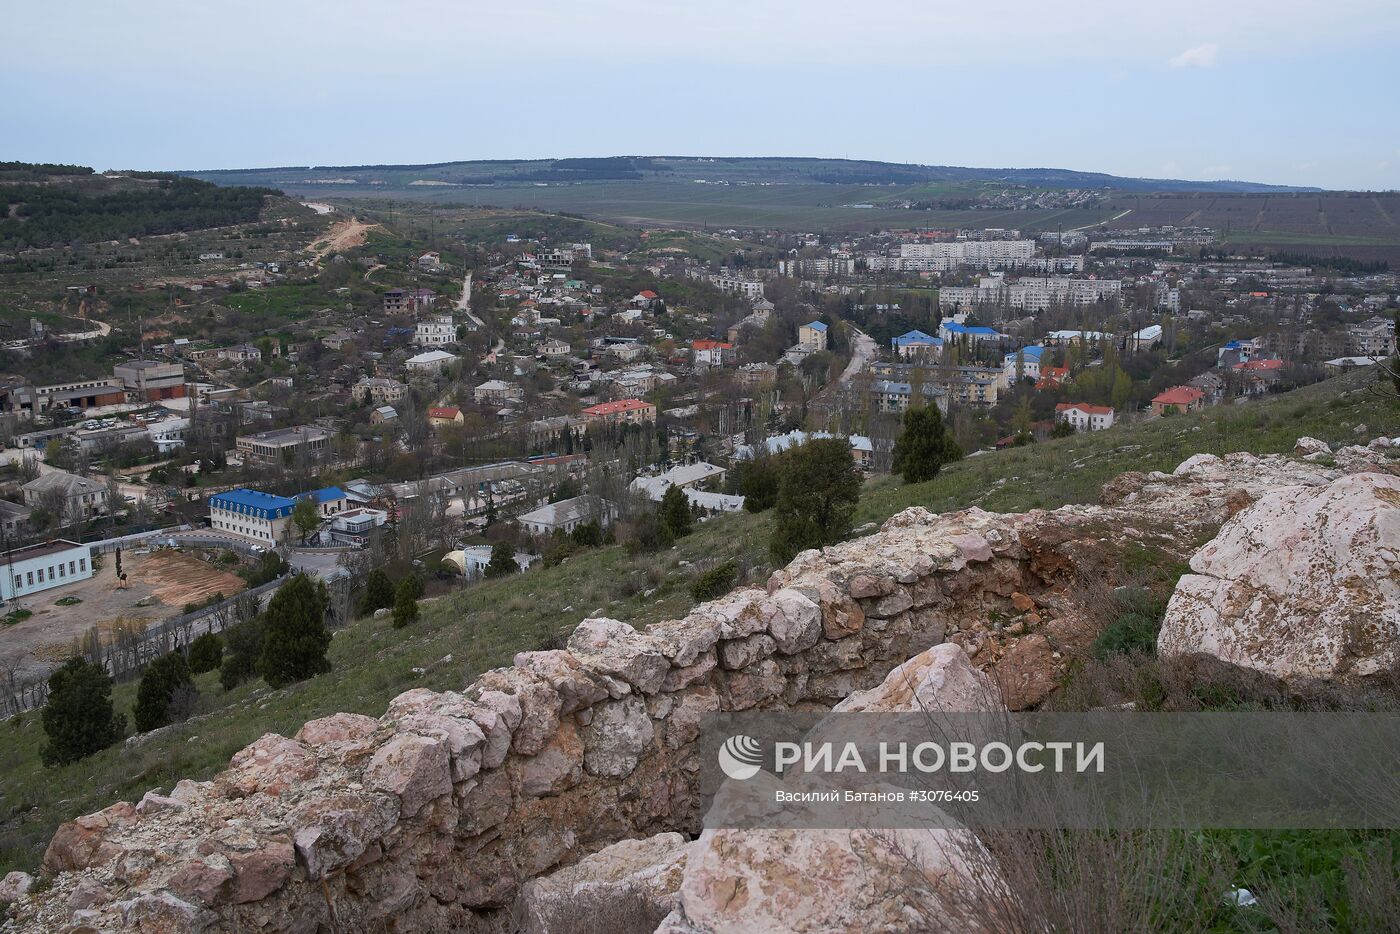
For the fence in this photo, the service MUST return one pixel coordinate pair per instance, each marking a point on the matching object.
(108, 545)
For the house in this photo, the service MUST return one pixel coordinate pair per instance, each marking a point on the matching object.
(338, 340)
(253, 515)
(435, 331)
(67, 497)
(1259, 375)
(1052, 377)
(14, 519)
(441, 416)
(1343, 364)
(957, 328)
(711, 353)
(1080, 336)
(430, 261)
(1022, 364)
(567, 515)
(812, 335)
(280, 446)
(553, 348)
(1085, 417)
(44, 566)
(380, 390)
(1178, 399)
(430, 362)
(629, 411)
(645, 298)
(861, 446)
(916, 344)
(383, 414)
(497, 392)
(330, 500)
(1237, 351)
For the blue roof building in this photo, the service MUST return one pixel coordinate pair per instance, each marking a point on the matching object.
(253, 503)
(324, 495)
(817, 326)
(951, 330)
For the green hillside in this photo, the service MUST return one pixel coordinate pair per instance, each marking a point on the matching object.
(483, 626)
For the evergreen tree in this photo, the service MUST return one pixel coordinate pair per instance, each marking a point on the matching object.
(413, 584)
(206, 653)
(588, 534)
(295, 638)
(924, 446)
(674, 512)
(502, 563)
(159, 683)
(243, 648)
(379, 592)
(77, 717)
(818, 488)
(405, 604)
(758, 483)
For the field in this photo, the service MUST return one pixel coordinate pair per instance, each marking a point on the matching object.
(1360, 225)
(483, 626)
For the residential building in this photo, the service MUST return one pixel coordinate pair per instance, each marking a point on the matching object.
(893, 396)
(916, 344)
(67, 497)
(381, 390)
(436, 331)
(1373, 338)
(281, 446)
(757, 374)
(330, 500)
(430, 362)
(1052, 377)
(1023, 364)
(567, 515)
(812, 336)
(253, 515)
(553, 349)
(443, 416)
(151, 380)
(1145, 339)
(383, 414)
(956, 328)
(712, 353)
(36, 568)
(1238, 351)
(630, 411)
(14, 519)
(1085, 417)
(354, 526)
(497, 392)
(1178, 399)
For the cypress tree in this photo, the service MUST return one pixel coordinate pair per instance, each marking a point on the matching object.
(78, 717)
(295, 637)
(674, 512)
(162, 679)
(924, 446)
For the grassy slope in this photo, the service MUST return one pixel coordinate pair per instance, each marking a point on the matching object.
(483, 626)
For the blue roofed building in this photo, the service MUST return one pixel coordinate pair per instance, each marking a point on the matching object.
(331, 499)
(265, 518)
(812, 335)
(951, 330)
(916, 344)
(1023, 364)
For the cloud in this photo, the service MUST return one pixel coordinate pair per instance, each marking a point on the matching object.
(1198, 56)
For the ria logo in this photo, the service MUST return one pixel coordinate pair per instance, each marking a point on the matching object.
(740, 757)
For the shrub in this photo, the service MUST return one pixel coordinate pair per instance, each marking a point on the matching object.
(78, 718)
(716, 582)
(379, 592)
(206, 653)
(1136, 626)
(160, 682)
(414, 586)
(405, 605)
(243, 648)
(588, 535)
(502, 563)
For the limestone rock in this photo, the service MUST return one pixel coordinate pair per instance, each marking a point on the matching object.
(938, 679)
(337, 728)
(1305, 583)
(332, 832)
(271, 764)
(413, 768)
(797, 623)
(615, 739)
(14, 885)
(617, 649)
(638, 877)
(1311, 446)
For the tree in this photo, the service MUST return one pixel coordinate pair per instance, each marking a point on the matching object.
(412, 584)
(243, 649)
(78, 717)
(206, 653)
(502, 563)
(405, 604)
(758, 483)
(166, 677)
(306, 516)
(674, 512)
(379, 592)
(924, 446)
(588, 534)
(818, 488)
(295, 638)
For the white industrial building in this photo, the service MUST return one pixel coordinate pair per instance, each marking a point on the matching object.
(35, 568)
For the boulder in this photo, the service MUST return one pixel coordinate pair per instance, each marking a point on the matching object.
(332, 832)
(938, 679)
(271, 764)
(14, 885)
(1306, 446)
(797, 622)
(615, 738)
(638, 878)
(413, 768)
(615, 648)
(258, 873)
(337, 728)
(1305, 583)
(82, 842)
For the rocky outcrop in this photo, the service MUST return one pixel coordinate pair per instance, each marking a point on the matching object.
(1303, 584)
(433, 816)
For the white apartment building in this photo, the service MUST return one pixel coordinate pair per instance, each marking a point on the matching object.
(435, 331)
(253, 515)
(1085, 417)
(751, 289)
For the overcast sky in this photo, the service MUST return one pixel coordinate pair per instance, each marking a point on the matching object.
(1287, 91)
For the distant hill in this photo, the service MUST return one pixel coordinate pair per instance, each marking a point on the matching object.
(49, 205)
(742, 170)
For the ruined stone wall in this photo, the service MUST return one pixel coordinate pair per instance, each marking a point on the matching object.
(431, 816)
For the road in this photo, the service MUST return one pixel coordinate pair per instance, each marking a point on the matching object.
(863, 351)
(464, 303)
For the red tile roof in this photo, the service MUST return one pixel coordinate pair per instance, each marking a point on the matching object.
(711, 345)
(1260, 365)
(647, 293)
(447, 411)
(1085, 407)
(1179, 395)
(613, 408)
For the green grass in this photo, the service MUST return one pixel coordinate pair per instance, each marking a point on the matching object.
(483, 626)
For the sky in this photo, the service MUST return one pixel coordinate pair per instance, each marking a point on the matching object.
(1297, 92)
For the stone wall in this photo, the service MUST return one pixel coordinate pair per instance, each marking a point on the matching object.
(432, 816)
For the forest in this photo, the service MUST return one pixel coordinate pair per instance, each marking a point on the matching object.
(45, 215)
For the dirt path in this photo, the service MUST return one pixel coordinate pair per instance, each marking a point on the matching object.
(342, 235)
